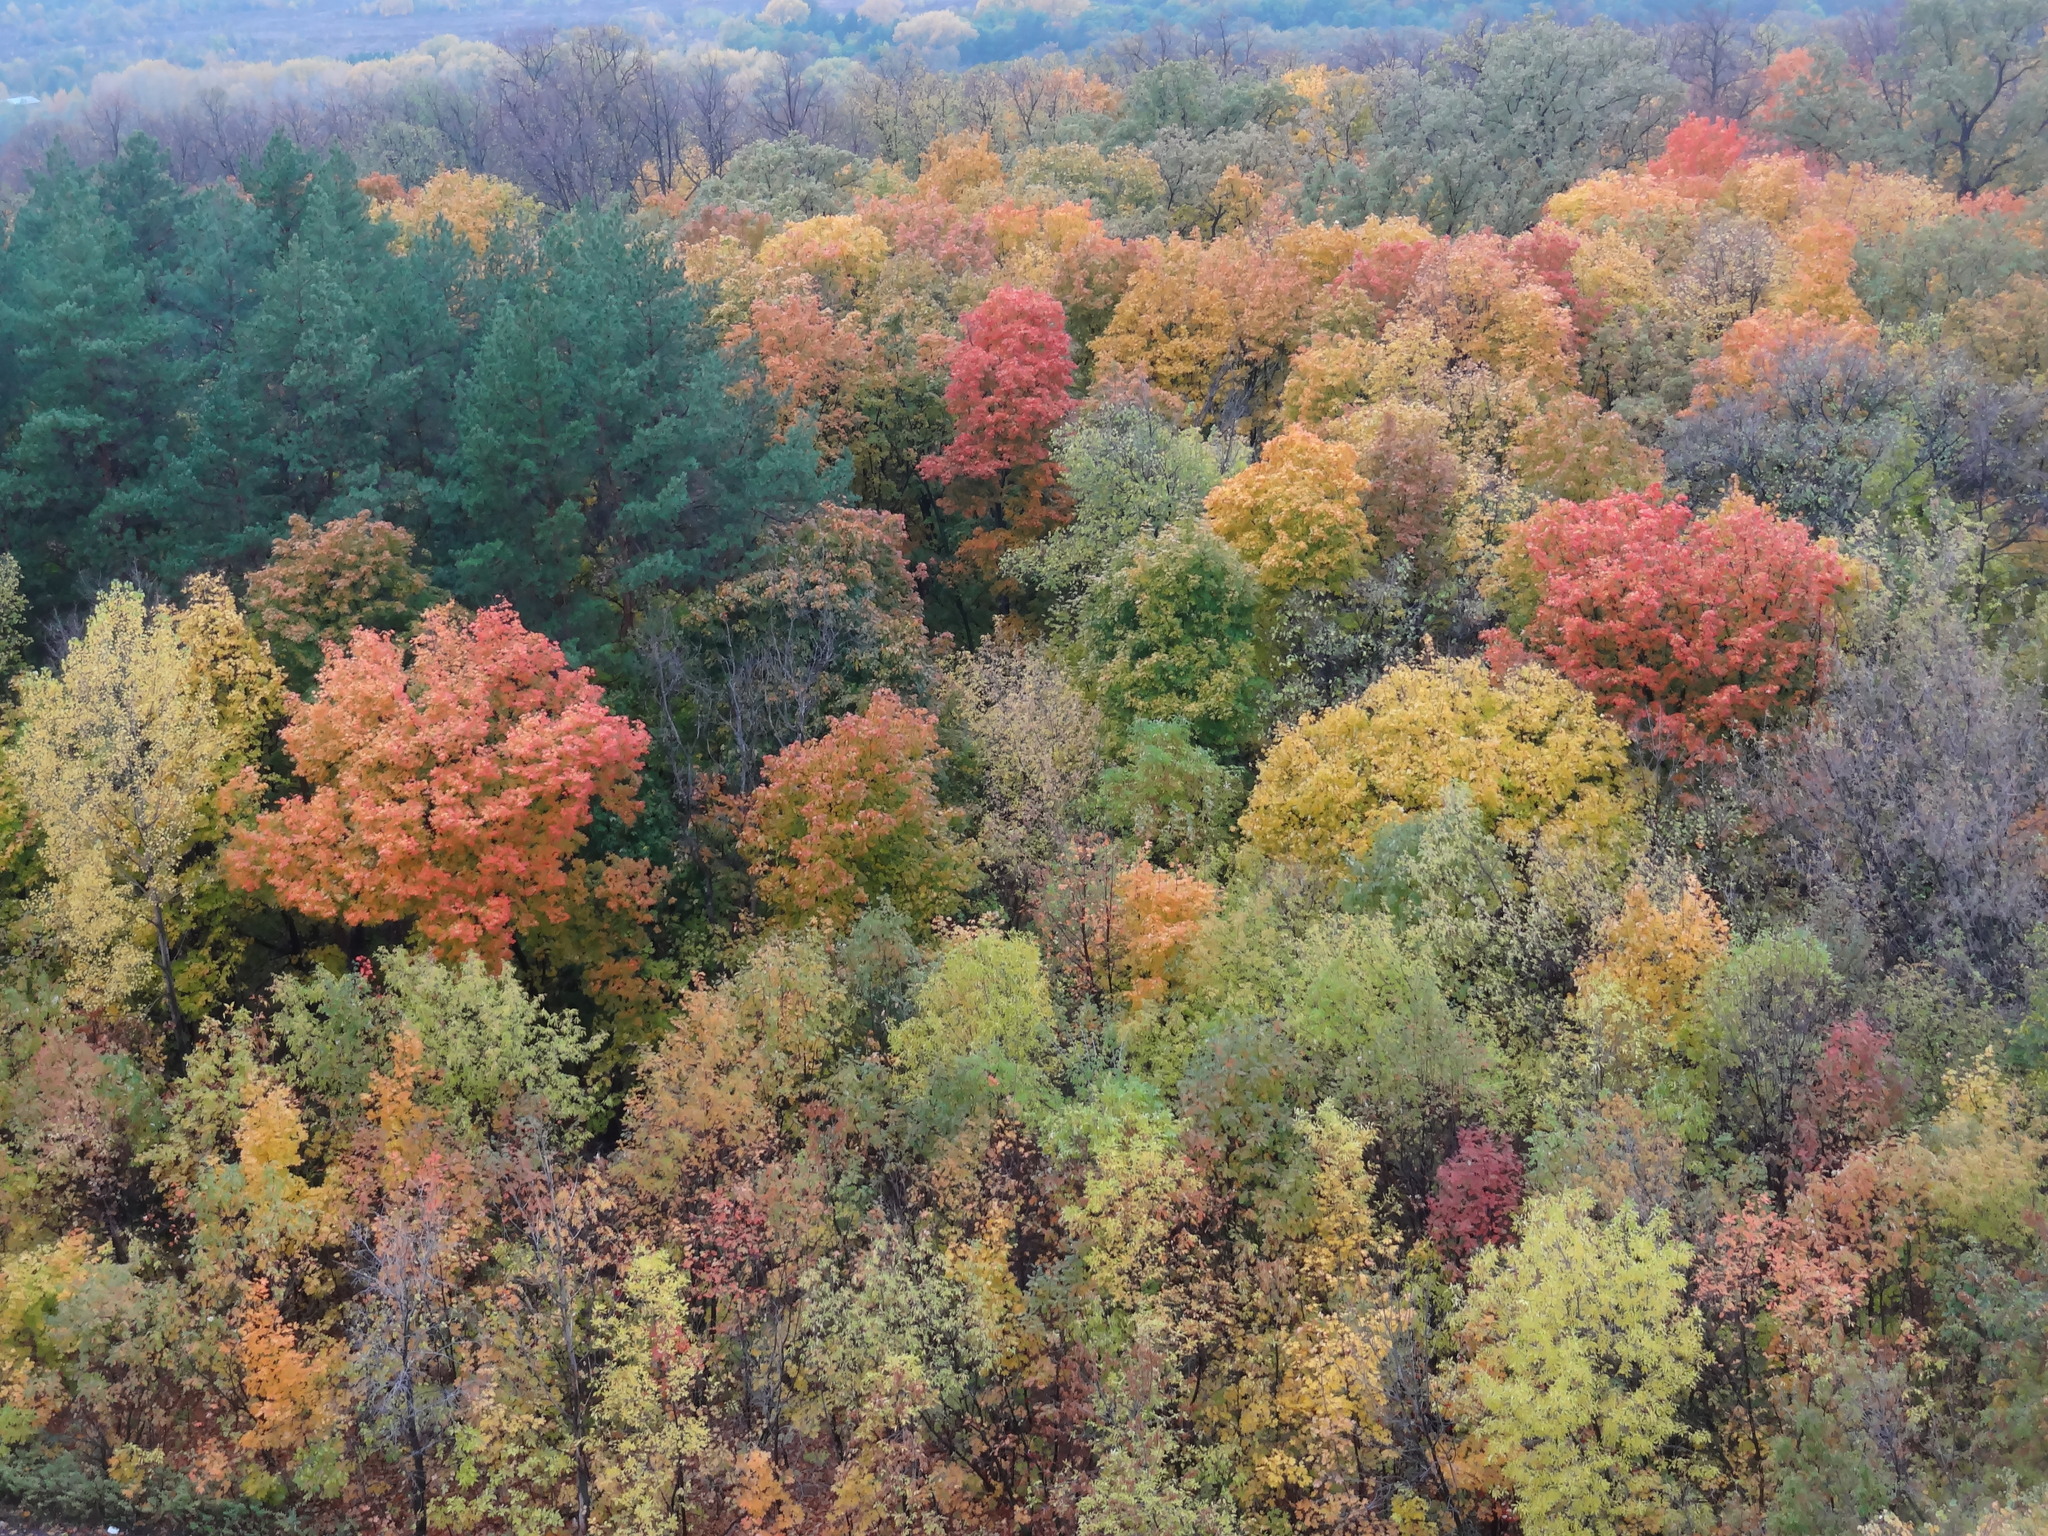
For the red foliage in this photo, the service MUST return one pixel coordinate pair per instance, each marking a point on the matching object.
(1478, 1191)
(1384, 272)
(1691, 631)
(1008, 390)
(1010, 373)
(452, 791)
(1701, 147)
(1545, 254)
(1857, 1096)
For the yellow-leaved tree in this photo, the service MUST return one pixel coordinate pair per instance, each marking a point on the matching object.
(1642, 985)
(123, 756)
(1539, 759)
(1298, 515)
(1579, 1350)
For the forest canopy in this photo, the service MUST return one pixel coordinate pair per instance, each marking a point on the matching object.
(1183, 791)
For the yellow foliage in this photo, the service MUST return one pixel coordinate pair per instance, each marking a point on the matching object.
(474, 206)
(1642, 208)
(1771, 187)
(1538, 757)
(1824, 259)
(1616, 271)
(1877, 202)
(1338, 112)
(1660, 956)
(120, 757)
(1323, 250)
(839, 252)
(1642, 985)
(1297, 516)
(2007, 332)
(961, 169)
(1989, 1166)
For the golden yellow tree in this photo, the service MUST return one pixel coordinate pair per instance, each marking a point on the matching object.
(1536, 754)
(1298, 515)
(120, 760)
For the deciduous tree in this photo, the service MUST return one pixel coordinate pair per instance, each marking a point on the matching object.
(1695, 633)
(452, 789)
(853, 816)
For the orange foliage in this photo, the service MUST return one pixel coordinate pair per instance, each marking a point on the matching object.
(1160, 913)
(1199, 318)
(1573, 449)
(1492, 312)
(813, 361)
(960, 166)
(1754, 346)
(1659, 956)
(293, 1389)
(452, 791)
(1824, 253)
(1700, 150)
(849, 817)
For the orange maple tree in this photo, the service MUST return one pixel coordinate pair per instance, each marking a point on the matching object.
(452, 790)
(853, 816)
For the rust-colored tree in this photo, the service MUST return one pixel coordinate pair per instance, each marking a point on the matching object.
(1694, 632)
(853, 816)
(452, 789)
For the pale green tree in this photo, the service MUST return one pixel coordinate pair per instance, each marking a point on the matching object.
(1580, 1349)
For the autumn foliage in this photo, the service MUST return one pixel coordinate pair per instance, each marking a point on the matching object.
(1478, 1191)
(841, 821)
(1296, 516)
(1694, 632)
(452, 788)
(1007, 386)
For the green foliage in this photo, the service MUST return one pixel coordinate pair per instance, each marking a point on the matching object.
(1583, 1351)
(1501, 120)
(1171, 795)
(1174, 634)
(788, 179)
(985, 1001)
(1370, 1015)
(484, 1040)
(1130, 473)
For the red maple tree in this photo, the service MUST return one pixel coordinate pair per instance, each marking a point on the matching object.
(1009, 376)
(1693, 631)
(1478, 1191)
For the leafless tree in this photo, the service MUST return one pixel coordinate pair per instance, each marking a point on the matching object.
(1917, 800)
(410, 1337)
(712, 111)
(788, 100)
(1714, 52)
(568, 112)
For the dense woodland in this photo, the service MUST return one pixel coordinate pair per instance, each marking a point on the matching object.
(1191, 796)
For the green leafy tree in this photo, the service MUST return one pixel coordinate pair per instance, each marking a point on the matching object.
(1175, 634)
(1497, 122)
(1581, 1353)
